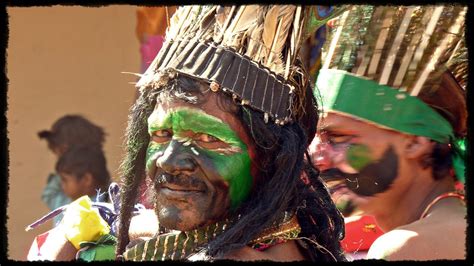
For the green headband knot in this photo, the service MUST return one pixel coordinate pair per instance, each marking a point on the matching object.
(388, 108)
(458, 147)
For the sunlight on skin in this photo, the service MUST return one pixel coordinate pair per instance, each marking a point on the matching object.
(182, 120)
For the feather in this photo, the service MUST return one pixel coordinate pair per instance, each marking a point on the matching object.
(176, 21)
(203, 25)
(415, 31)
(436, 57)
(381, 42)
(280, 36)
(295, 40)
(269, 27)
(223, 18)
(332, 46)
(273, 48)
(387, 70)
(190, 22)
(253, 43)
(296, 33)
(245, 19)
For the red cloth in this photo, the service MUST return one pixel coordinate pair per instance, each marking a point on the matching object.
(149, 49)
(360, 234)
(35, 250)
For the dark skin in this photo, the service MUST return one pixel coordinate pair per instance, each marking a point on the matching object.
(359, 155)
(397, 209)
(178, 168)
(190, 190)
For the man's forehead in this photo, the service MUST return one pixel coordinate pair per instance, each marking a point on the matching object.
(187, 114)
(331, 121)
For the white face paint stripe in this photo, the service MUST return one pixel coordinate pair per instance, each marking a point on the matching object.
(186, 141)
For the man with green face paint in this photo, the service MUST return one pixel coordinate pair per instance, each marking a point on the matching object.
(225, 145)
(390, 142)
(220, 130)
(230, 159)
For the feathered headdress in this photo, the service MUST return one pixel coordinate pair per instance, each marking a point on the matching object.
(404, 47)
(249, 52)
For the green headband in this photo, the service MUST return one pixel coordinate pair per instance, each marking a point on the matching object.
(386, 107)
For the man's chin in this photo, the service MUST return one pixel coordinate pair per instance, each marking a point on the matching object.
(182, 218)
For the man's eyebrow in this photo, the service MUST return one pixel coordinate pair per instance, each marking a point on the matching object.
(326, 127)
(336, 129)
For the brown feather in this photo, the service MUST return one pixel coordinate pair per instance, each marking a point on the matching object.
(285, 20)
(269, 26)
(176, 21)
(224, 16)
(245, 19)
(254, 42)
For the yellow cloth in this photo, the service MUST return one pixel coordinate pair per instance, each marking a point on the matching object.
(83, 223)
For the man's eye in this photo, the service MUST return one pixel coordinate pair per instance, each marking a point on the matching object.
(162, 135)
(206, 138)
(339, 139)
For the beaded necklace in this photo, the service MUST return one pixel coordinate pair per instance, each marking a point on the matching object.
(182, 245)
(452, 194)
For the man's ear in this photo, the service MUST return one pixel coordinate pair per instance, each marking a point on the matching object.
(417, 146)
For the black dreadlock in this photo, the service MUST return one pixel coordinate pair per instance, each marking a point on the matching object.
(279, 188)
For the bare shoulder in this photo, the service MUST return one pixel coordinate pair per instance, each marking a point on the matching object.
(427, 239)
(143, 225)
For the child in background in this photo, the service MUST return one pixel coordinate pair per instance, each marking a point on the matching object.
(83, 171)
(67, 132)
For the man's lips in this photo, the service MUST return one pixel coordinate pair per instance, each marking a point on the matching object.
(179, 194)
(332, 174)
(177, 188)
(336, 188)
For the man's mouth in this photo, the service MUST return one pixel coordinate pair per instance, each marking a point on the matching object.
(336, 188)
(174, 187)
(179, 186)
(179, 194)
(333, 174)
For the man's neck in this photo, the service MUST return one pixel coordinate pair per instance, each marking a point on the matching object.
(408, 205)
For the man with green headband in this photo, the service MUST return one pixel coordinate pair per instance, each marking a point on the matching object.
(394, 117)
(220, 130)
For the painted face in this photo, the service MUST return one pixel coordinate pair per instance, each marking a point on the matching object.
(199, 158)
(356, 158)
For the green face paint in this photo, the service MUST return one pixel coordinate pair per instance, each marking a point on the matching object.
(231, 161)
(358, 156)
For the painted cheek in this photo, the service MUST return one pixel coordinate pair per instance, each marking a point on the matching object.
(358, 156)
(235, 169)
(153, 151)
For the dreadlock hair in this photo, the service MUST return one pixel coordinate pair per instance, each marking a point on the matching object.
(278, 187)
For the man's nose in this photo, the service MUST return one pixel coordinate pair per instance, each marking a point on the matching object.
(176, 159)
(320, 154)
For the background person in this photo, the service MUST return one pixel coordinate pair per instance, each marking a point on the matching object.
(83, 171)
(67, 132)
(226, 156)
(394, 124)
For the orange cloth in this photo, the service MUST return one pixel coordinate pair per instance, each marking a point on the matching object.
(152, 21)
